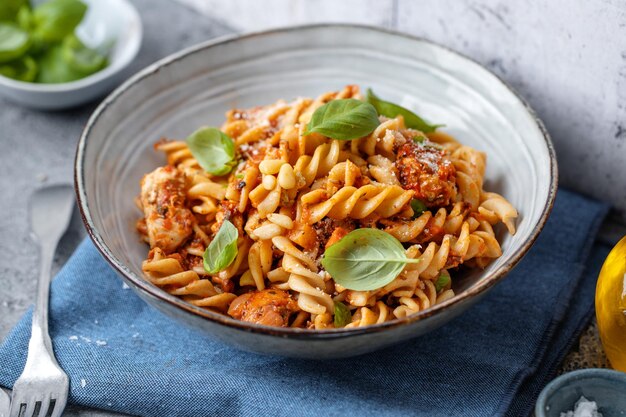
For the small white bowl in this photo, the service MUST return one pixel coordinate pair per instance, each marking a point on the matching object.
(115, 20)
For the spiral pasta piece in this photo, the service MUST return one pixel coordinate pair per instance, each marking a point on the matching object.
(364, 316)
(205, 195)
(168, 272)
(383, 170)
(425, 296)
(496, 208)
(357, 203)
(304, 279)
(323, 160)
(382, 140)
(178, 154)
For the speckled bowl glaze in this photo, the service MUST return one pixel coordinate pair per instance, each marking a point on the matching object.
(198, 85)
(105, 21)
(604, 386)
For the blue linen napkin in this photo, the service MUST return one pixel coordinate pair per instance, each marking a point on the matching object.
(124, 356)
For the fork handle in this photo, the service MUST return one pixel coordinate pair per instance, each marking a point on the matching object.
(40, 312)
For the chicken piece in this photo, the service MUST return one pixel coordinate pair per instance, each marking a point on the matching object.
(168, 222)
(268, 307)
(428, 172)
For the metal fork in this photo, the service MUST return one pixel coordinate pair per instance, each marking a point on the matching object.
(42, 388)
(5, 403)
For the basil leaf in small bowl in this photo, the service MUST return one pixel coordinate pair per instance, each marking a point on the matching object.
(344, 119)
(213, 149)
(53, 69)
(14, 42)
(388, 109)
(222, 250)
(10, 8)
(365, 259)
(55, 19)
(81, 58)
(22, 69)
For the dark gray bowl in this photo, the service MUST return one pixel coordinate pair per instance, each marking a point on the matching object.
(604, 386)
(196, 86)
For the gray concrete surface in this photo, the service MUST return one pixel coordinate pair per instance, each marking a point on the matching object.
(37, 148)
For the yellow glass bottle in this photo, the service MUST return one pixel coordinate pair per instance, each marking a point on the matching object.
(611, 305)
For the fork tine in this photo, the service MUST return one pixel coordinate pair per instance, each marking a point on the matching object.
(58, 407)
(15, 409)
(44, 406)
(37, 408)
(16, 406)
(52, 408)
(30, 408)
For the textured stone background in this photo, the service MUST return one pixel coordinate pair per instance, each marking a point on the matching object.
(568, 60)
(566, 57)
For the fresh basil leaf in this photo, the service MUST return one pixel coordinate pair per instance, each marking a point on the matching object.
(23, 69)
(81, 58)
(14, 42)
(411, 120)
(344, 119)
(443, 280)
(365, 259)
(213, 149)
(24, 18)
(418, 207)
(222, 250)
(9, 9)
(55, 19)
(53, 69)
(342, 314)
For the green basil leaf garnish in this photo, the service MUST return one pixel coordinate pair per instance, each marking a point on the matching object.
(418, 207)
(443, 280)
(55, 19)
(411, 120)
(342, 314)
(213, 149)
(365, 259)
(344, 119)
(14, 42)
(222, 250)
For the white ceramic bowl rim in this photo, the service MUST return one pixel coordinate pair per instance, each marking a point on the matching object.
(485, 283)
(94, 78)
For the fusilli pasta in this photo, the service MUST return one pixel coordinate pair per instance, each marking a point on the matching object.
(292, 195)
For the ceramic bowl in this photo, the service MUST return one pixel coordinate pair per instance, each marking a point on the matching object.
(116, 20)
(604, 386)
(198, 85)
